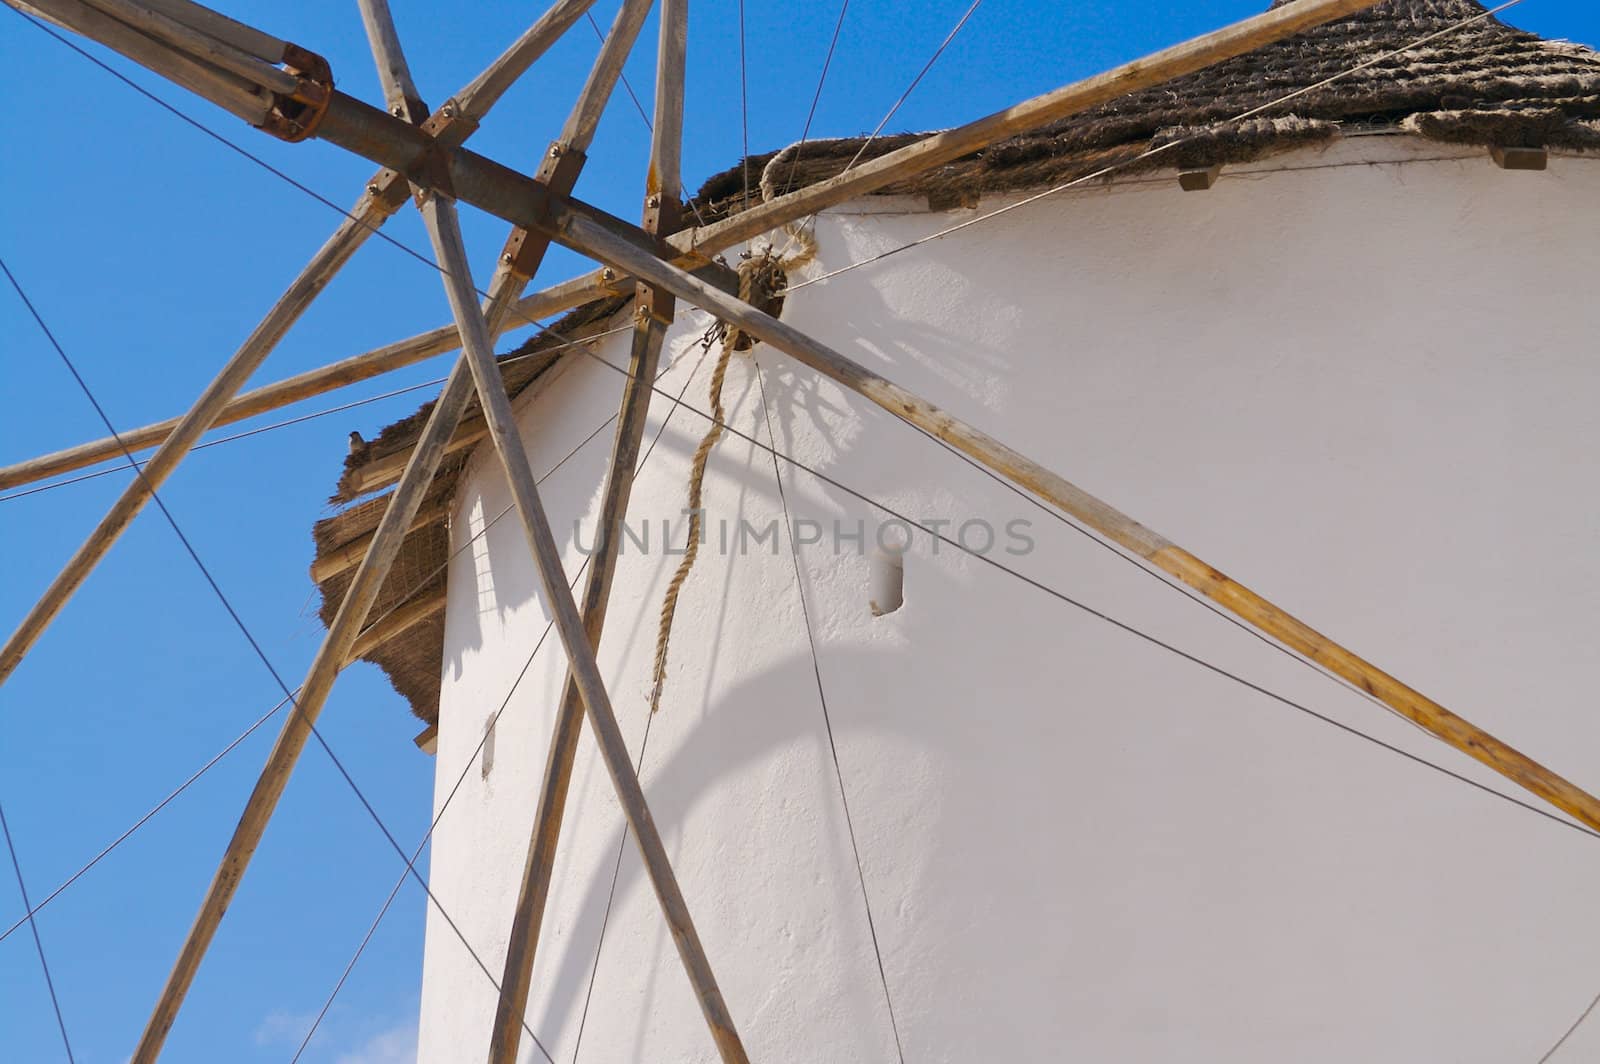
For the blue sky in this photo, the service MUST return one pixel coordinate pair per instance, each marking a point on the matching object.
(151, 250)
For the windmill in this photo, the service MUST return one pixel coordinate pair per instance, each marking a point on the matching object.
(669, 260)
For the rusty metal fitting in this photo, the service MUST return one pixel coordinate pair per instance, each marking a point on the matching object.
(557, 173)
(387, 193)
(653, 304)
(295, 116)
(448, 126)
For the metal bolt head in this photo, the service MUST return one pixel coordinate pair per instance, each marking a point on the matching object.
(372, 189)
(653, 201)
(608, 274)
(506, 258)
(557, 151)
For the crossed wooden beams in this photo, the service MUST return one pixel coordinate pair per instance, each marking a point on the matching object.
(245, 70)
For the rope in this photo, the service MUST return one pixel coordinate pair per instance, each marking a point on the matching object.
(697, 477)
(762, 281)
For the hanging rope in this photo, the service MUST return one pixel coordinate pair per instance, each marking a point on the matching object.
(763, 278)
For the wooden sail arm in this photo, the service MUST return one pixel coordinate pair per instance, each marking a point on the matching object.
(1100, 516)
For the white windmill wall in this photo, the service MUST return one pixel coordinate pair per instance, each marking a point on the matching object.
(1366, 390)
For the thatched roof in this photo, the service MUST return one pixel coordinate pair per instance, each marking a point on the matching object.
(1487, 84)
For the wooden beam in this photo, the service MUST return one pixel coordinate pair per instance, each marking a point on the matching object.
(331, 656)
(381, 472)
(315, 382)
(485, 90)
(384, 195)
(1105, 519)
(346, 557)
(1520, 158)
(244, 38)
(399, 91)
(439, 215)
(485, 184)
(450, 250)
(694, 246)
(199, 45)
(327, 261)
(396, 622)
(1200, 179)
(509, 195)
(229, 91)
(940, 148)
(334, 651)
(444, 231)
(652, 315)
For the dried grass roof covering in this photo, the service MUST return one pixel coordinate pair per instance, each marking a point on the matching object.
(1486, 84)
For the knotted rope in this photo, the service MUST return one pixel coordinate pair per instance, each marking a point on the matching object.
(762, 280)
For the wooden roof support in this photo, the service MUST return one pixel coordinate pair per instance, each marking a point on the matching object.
(385, 194)
(396, 622)
(1104, 519)
(653, 313)
(1520, 158)
(347, 556)
(1199, 179)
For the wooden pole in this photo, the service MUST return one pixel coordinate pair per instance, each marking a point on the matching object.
(306, 385)
(334, 254)
(1109, 522)
(439, 214)
(701, 243)
(444, 231)
(335, 650)
(228, 91)
(653, 313)
(525, 249)
(198, 44)
(518, 199)
(940, 148)
(221, 27)
(491, 187)
(385, 195)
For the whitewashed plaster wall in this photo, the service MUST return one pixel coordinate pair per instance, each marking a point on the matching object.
(1361, 380)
